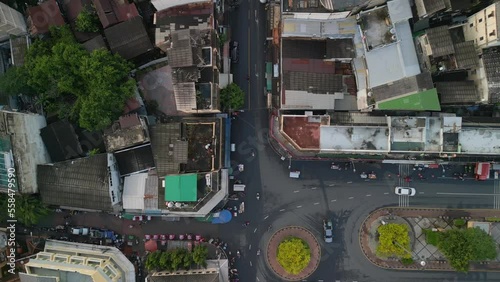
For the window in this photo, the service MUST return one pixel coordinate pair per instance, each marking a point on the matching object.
(480, 20)
(471, 24)
(492, 33)
(481, 38)
(491, 15)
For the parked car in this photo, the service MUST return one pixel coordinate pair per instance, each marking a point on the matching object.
(234, 53)
(328, 231)
(405, 191)
(80, 231)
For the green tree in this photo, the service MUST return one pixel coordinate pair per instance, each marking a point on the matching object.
(153, 261)
(87, 21)
(164, 261)
(200, 254)
(88, 88)
(29, 208)
(177, 258)
(393, 240)
(232, 97)
(461, 246)
(293, 255)
(14, 82)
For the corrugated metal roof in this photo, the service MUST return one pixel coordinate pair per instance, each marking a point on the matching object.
(169, 151)
(440, 41)
(80, 183)
(457, 92)
(185, 96)
(466, 55)
(128, 39)
(491, 61)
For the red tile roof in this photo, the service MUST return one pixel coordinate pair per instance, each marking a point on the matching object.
(111, 12)
(43, 16)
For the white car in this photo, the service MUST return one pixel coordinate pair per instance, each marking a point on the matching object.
(405, 191)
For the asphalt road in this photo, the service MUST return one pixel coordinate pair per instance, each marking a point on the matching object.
(321, 192)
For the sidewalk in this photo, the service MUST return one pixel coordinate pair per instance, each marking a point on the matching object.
(436, 265)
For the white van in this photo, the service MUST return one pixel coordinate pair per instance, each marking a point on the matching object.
(80, 231)
(295, 174)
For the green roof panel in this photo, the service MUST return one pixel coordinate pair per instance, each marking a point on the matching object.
(181, 188)
(421, 101)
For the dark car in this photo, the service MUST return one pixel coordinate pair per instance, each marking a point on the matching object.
(328, 231)
(235, 52)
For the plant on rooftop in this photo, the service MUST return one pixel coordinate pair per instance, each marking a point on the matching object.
(200, 254)
(394, 240)
(293, 255)
(89, 88)
(461, 246)
(87, 21)
(232, 97)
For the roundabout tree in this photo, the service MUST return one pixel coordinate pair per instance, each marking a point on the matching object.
(293, 255)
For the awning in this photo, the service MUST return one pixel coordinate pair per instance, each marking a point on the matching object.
(151, 246)
(224, 217)
(181, 188)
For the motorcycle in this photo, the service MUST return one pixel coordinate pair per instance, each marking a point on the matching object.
(238, 254)
(258, 196)
(258, 252)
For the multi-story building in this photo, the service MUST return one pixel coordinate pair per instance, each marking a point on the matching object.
(68, 262)
(11, 22)
(482, 27)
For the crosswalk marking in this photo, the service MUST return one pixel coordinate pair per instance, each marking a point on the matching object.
(404, 200)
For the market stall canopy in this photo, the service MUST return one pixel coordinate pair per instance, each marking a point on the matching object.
(223, 217)
(151, 246)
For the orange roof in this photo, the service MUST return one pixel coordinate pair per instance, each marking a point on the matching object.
(43, 16)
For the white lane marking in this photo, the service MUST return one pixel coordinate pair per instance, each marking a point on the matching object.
(349, 182)
(386, 193)
(368, 195)
(299, 207)
(331, 185)
(350, 198)
(467, 194)
(420, 192)
(316, 203)
(266, 217)
(333, 201)
(296, 191)
(258, 279)
(314, 188)
(255, 230)
(282, 210)
(251, 263)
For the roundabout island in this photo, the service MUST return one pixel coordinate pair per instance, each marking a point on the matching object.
(293, 253)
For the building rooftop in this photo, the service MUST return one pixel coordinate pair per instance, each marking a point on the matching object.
(480, 140)
(80, 183)
(440, 41)
(407, 85)
(69, 261)
(421, 101)
(18, 48)
(491, 61)
(342, 48)
(61, 141)
(319, 26)
(140, 192)
(203, 144)
(43, 16)
(181, 187)
(94, 44)
(136, 42)
(457, 92)
(395, 61)
(466, 55)
(304, 130)
(429, 7)
(170, 149)
(320, 6)
(135, 159)
(22, 133)
(354, 138)
(196, 16)
(111, 12)
(128, 131)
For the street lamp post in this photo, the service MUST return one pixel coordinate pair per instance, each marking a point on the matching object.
(422, 262)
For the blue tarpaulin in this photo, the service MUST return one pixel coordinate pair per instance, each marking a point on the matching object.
(225, 216)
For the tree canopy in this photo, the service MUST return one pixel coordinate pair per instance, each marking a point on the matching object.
(177, 258)
(293, 255)
(461, 246)
(87, 21)
(232, 97)
(394, 241)
(89, 88)
(29, 209)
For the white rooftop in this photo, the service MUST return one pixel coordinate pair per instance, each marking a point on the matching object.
(395, 61)
(480, 140)
(304, 100)
(399, 10)
(354, 138)
(333, 27)
(134, 187)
